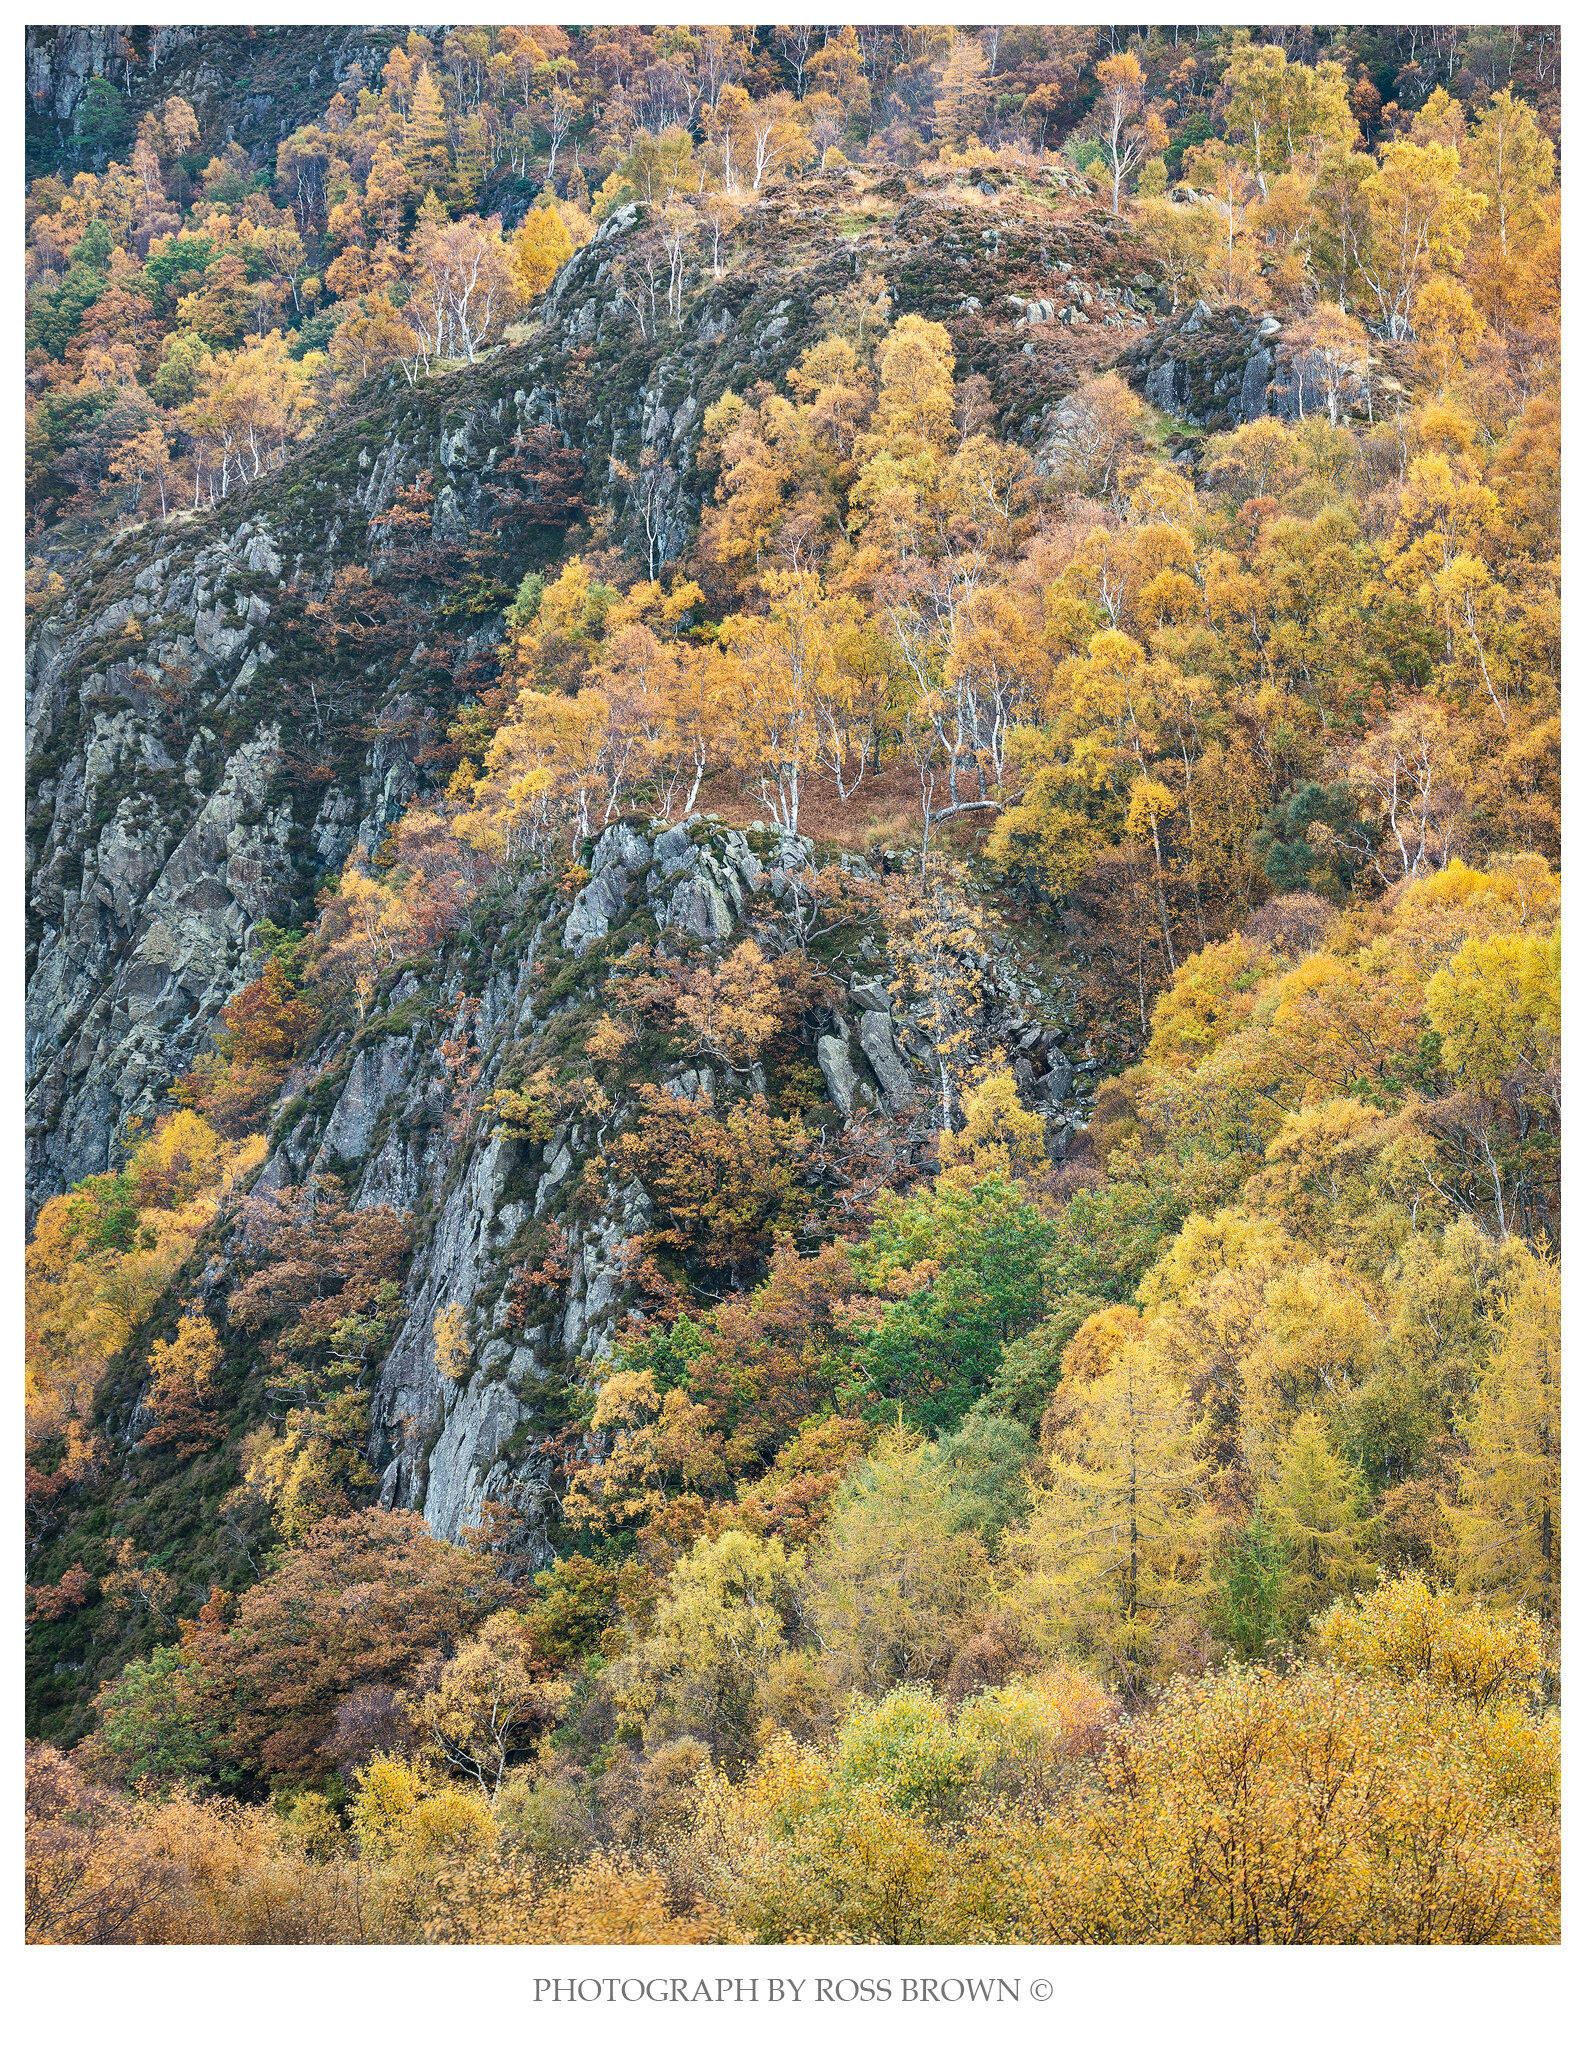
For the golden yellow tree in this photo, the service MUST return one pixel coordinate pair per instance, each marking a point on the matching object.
(491, 1705)
(539, 248)
(1130, 130)
(1510, 1498)
(1421, 218)
(781, 667)
(1109, 1565)
(999, 1135)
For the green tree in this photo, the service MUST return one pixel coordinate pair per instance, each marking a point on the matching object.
(56, 315)
(1314, 1502)
(985, 1459)
(1253, 1590)
(982, 1251)
(731, 1610)
(102, 125)
(150, 1723)
(1510, 1497)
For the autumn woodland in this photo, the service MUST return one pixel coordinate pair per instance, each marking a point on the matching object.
(794, 927)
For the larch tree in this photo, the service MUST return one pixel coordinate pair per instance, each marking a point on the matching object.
(1111, 1557)
(898, 1585)
(539, 248)
(964, 93)
(1314, 1507)
(1508, 1514)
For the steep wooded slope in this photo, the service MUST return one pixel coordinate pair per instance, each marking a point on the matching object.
(218, 713)
(203, 751)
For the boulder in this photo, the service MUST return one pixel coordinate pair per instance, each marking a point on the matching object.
(1058, 1078)
(831, 1054)
(875, 1037)
(620, 853)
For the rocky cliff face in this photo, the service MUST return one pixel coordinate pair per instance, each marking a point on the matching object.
(251, 85)
(213, 725)
(1217, 370)
(204, 749)
(1211, 369)
(381, 1111)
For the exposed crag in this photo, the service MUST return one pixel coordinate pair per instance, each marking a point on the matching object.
(380, 1111)
(204, 747)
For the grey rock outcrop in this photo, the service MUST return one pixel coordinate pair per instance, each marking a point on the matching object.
(1210, 369)
(831, 1054)
(145, 953)
(875, 1037)
(467, 1461)
(702, 885)
(288, 70)
(620, 854)
(1223, 369)
(377, 1076)
(1058, 1079)
(167, 648)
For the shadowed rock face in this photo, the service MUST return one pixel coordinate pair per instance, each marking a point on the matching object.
(1218, 370)
(1210, 369)
(149, 939)
(254, 83)
(842, 1083)
(203, 754)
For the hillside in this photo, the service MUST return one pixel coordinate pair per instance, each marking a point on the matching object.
(793, 1010)
(132, 773)
(174, 822)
